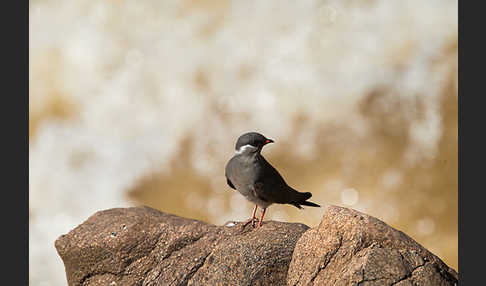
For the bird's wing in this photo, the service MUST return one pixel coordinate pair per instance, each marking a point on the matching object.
(230, 184)
(226, 171)
(271, 187)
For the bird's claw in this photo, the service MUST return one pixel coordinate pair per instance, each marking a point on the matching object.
(251, 220)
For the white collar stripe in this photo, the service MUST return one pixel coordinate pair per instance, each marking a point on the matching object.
(244, 147)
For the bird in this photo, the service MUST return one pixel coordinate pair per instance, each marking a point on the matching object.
(257, 180)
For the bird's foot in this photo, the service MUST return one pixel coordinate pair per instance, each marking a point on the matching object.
(252, 220)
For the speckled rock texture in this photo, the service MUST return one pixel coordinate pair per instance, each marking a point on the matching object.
(352, 248)
(143, 246)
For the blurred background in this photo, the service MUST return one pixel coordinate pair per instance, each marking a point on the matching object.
(141, 102)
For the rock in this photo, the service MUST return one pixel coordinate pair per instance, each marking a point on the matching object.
(143, 246)
(352, 248)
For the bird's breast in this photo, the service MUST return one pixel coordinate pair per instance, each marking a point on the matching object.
(243, 171)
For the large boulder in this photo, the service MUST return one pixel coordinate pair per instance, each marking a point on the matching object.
(143, 246)
(352, 248)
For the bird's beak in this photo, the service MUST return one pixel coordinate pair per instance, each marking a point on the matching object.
(268, 141)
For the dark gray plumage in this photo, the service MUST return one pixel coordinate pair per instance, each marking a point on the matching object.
(259, 182)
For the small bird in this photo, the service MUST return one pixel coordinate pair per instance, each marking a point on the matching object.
(258, 181)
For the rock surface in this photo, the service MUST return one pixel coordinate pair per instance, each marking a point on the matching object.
(143, 246)
(352, 248)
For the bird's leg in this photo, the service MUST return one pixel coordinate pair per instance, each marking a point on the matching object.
(261, 218)
(252, 219)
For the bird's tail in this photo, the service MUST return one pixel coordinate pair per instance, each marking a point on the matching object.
(311, 204)
(302, 200)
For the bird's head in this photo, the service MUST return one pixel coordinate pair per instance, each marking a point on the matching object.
(251, 142)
